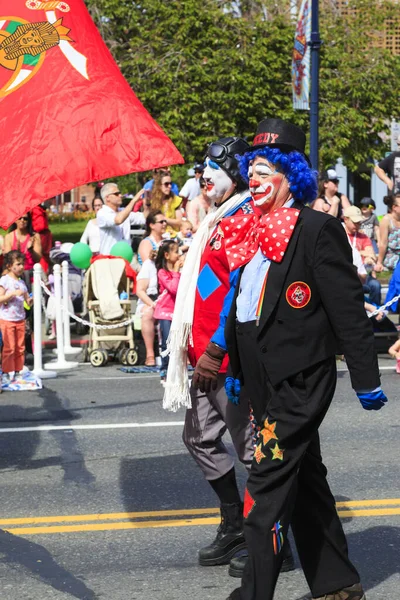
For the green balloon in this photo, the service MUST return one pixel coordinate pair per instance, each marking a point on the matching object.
(123, 250)
(80, 255)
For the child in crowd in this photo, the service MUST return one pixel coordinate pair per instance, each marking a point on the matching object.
(13, 294)
(370, 226)
(185, 235)
(168, 264)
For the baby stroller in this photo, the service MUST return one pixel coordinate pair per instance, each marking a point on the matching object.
(105, 281)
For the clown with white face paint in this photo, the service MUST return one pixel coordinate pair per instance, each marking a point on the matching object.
(296, 300)
(218, 183)
(210, 414)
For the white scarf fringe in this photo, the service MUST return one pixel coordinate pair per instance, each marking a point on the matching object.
(177, 390)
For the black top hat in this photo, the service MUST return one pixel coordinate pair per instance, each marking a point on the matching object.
(224, 151)
(277, 133)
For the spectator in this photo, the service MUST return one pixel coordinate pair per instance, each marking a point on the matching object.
(388, 170)
(40, 225)
(13, 294)
(23, 239)
(198, 208)
(329, 200)
(91, 235)
(156, 225)
(147, 292)
(389, 229)
(191, 188)
(185, 235)
(370, 225)
(361, 242)
(114, 223)
(148, 186)
(162, 198)
(168, 264)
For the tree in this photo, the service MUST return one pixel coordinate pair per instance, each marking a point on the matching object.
(216, 68)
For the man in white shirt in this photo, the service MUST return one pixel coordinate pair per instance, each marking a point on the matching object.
(191, 188)
(114, 223)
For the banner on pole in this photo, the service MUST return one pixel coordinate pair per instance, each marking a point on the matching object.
(67, 115)
(301, 58)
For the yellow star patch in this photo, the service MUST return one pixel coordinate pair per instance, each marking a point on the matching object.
(268, 432)
(277, 453)
(259, 454)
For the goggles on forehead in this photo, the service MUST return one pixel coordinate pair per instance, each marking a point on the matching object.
(217, 152)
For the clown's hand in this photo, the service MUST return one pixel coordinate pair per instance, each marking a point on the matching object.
(373, 400)
(207, 368)
(232, 389)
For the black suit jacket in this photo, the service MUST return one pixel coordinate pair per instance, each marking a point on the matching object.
(334, 320)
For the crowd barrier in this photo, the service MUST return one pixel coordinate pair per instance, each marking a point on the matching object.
(63, 324)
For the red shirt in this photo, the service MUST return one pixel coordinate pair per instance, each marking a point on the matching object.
(360, 241)
(212, 287)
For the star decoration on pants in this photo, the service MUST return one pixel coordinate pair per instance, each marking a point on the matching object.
(268, 432)
(259, 454)
(277, 453)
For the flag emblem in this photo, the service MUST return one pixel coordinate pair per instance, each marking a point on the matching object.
(24, 44)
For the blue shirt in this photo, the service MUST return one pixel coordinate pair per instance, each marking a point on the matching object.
(250, 287)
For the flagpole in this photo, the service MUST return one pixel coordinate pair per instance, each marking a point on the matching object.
(315, 44)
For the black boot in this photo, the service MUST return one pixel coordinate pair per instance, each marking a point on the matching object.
(229, 540)
(238, 563)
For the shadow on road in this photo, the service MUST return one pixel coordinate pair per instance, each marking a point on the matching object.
(18, 450)
(15, 550)
(163, 482)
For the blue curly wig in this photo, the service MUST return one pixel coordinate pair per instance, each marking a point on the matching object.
(302, 179)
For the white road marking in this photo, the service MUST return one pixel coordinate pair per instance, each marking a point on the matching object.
(88, 427)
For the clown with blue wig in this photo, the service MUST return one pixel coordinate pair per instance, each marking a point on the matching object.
(295, 301)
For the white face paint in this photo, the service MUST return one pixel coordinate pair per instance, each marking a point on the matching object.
(264, 181)
(218, 183)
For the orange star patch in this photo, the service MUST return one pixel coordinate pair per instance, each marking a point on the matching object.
(277, 453)
(259, 454)
(268, 432)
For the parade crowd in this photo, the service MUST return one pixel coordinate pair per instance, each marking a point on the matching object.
(248, 262)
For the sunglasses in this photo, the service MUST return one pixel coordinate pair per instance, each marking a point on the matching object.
(162, 221)
(23, 219)
(168, 183)
(116, 193)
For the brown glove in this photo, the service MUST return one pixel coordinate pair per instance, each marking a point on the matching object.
(207, 368)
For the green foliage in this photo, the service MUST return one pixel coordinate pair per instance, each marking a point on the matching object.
(214, 68)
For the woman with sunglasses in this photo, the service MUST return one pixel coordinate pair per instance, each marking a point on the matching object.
(329, 200)
(156, 225)
(22, 238)
(163, 199)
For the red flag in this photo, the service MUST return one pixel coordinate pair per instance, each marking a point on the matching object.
(67, 115)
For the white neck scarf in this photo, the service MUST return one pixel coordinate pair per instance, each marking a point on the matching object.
(176, 392)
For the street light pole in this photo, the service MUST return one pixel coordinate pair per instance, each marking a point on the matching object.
(315, 44)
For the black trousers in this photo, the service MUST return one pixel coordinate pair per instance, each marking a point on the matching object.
(287, 482)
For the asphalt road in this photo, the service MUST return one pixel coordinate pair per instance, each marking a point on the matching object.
(109, 505)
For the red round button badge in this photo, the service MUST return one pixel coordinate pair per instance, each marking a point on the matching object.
(298, 294)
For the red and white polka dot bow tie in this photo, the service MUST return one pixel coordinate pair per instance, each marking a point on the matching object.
(245, 234)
